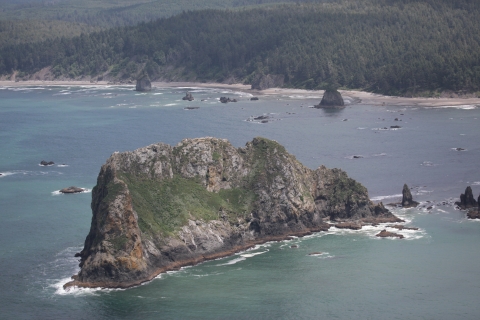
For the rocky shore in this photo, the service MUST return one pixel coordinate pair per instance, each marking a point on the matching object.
(160, 207)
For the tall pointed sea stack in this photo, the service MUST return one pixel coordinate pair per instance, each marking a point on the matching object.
(467, 200)
(407, 199)
(161, 207)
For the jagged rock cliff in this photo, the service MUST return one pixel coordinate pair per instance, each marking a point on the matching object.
(161, 207)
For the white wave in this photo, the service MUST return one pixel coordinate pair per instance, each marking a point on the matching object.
(234, 261)
(249, 255)
(361, 128)
(171, 104)
(428, 164)
(458, 149)
(380, 129)
(4, 174)
(379, 154)
(157, 93)
(463, 107)
(476, 183)
(62, 165)
(380, 198)
(305, 97)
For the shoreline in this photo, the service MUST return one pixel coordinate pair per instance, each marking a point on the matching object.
(362, 96)
(177, 265)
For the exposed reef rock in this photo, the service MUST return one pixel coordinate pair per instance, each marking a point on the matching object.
(143, 83)
(386, 234)
(72, 189)
(265, 81)
(407, 199)
(46, 163)
(227, 100)
(331, 99)
(160, 207)
(188, 97)
(349, 225)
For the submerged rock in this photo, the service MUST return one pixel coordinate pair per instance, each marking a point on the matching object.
(143, 83)
(331, 99)
(160, 207)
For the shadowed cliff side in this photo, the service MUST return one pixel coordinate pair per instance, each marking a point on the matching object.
(160, 207)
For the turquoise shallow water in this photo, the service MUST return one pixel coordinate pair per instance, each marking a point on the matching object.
(430, 275)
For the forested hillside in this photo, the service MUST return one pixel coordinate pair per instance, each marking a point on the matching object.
(23, 21)
(397, 47)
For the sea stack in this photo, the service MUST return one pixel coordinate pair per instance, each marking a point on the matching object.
(467, 200)
(331, 99)
(160, 207)
(188, 97)
(143, 83)
(407, 199)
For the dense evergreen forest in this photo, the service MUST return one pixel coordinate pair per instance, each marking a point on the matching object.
(23, 21)
(402, 47)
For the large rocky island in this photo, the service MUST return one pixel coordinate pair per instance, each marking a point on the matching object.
(161, 207)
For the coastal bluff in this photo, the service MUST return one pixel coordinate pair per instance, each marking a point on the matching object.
(162, 207)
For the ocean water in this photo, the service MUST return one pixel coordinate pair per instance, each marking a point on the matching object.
(432, 274)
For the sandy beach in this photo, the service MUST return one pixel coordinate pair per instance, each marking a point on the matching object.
(362, 96)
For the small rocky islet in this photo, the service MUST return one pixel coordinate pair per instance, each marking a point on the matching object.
(160, 207)
(467, 202)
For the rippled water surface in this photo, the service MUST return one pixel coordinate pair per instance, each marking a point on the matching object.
(431, 274)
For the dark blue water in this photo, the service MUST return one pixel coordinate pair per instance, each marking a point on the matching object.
(433, 274)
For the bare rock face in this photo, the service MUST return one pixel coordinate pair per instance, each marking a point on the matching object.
(331, 99)
(467, 200)
(407, 199)
(265, 81)
(143, 84)
(160, 207)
